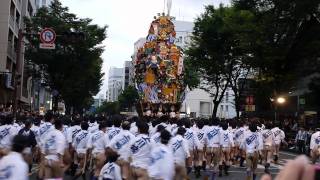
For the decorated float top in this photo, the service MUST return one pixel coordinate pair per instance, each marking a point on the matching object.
(159, 66)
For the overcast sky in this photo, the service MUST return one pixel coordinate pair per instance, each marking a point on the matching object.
(128, 20)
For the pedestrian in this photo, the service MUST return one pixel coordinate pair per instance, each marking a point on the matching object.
(80, 145)
(111, 170)
(278, 138)
(161, 165)
(179, 146)
(268, 145)
(315, 145)
(200, 147)
(140, 150)
(13, 166)
(238, 138)
(31, 142)
(7, 132)
(252, 143)
(193, 142)
(226, 143)
(301, 139)
(212, 139)
(96, 144)
(121, 144)
(54, 149)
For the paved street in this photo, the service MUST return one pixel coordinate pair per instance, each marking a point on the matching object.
(237, 173)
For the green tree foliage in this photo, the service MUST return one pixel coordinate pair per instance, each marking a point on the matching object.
(128, 98)
(286, 47)
(109, 108)
(73, 68)
(219, 49)
(280, 46)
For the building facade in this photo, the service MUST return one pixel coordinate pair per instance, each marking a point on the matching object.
(12, 14)
(43, 3)
(115, 83)
(127, 74)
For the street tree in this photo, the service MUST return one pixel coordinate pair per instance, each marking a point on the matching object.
(128, 98)
(219, 51)
(282, 51)
(73, 68)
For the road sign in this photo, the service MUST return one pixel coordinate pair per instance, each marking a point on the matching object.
(47, 38)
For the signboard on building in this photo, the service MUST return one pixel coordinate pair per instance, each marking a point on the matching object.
(47, 38)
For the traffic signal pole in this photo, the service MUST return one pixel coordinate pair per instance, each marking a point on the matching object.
(17, 83)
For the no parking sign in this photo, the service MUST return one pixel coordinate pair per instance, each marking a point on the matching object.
(47, 38)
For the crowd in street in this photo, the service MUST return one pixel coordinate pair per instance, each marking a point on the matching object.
(120, 147)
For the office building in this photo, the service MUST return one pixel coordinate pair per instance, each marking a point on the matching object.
(12, 14)
(115, 83)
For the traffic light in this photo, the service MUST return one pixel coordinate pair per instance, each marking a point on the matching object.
(74, 37)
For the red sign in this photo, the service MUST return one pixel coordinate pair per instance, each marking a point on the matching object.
(47, 36)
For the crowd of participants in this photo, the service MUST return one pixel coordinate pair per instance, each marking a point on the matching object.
(120, 147)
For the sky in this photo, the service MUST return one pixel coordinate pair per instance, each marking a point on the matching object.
(128, 20)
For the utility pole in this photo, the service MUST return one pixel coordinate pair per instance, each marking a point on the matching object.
(16, 75)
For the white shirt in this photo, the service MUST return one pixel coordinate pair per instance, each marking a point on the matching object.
(315, 140)
(80, 141)
(180, 149)
(134, 129)
(72, 132)
(226, 139)
(112, 132)
(156, 137)
(55, 143)
(13, 167)
(121, 144)
(93, 127)
(192, 139)
(44, 129)
(140, 151)
(201, 138)
(7, 132)
(212, 136)
(239, 135)
(268, 137)
(278, 135)
(96, 142)
(252, 142)
(110, 171)
(161, 164)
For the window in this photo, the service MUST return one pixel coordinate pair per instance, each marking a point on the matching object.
(17, 19)
(227, 96)
(30, 10)
(12, 9)
(221, 107)
(227, 108)
(205, 108)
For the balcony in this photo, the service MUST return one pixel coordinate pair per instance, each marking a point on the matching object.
(12, 22)
(11, 52)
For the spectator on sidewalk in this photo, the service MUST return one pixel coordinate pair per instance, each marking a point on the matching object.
(301, 139)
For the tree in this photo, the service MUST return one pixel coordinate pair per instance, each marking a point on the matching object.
(128, 98)
(278, 59)
(110, 108)
(73, 68)
(219, 49)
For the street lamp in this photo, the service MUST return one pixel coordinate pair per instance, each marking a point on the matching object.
(277, 101)
(281, 100)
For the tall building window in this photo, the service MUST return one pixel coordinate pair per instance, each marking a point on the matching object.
(227, 108)
(227, 97)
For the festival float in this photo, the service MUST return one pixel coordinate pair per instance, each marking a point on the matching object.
(159, 70)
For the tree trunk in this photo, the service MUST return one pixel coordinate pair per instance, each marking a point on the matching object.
(215, 109)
